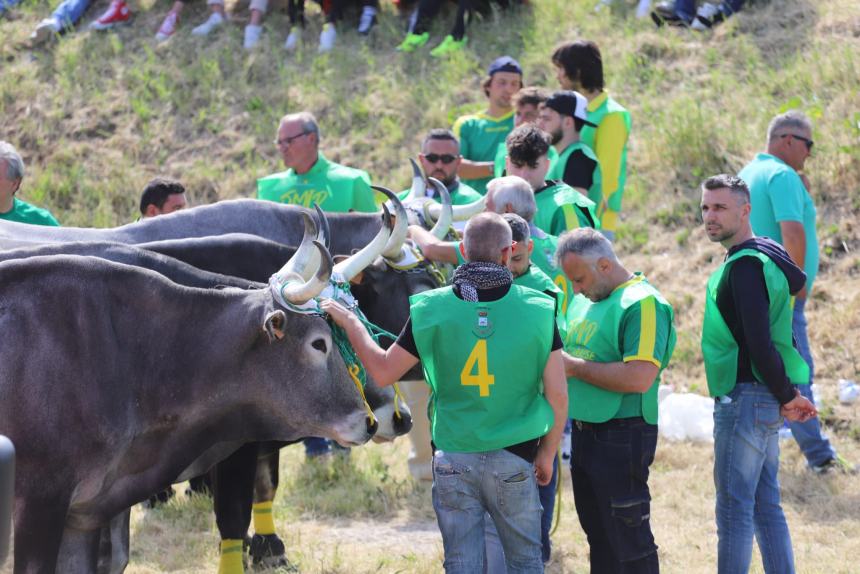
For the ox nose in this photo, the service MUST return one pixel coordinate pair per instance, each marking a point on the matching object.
(403, 423)
(372, 426)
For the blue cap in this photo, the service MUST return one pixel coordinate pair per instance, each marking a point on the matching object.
(504, 64)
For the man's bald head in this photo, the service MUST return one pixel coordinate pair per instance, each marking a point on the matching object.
(486, 237)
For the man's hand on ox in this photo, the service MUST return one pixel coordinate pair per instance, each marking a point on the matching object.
(339, 314)
(799, 409)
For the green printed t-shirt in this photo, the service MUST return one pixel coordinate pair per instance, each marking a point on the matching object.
(484, 362)
(480, 136)
(23, 212)
(561, 208)
(502, 156)
(462, 194)
(334, 187)
(778, 194)
(633, 323)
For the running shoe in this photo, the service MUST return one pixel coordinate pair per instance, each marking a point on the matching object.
(448, 46)
(214, 21)
(117, 13)
(367, 20)
(293, 38)
(168, 27)
(707, 17)
(328, 36)
(664, 13)
(413, 41)
(252, 36)
(47, 29)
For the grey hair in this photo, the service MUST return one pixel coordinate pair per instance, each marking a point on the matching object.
(585, 242)
(485, 236)
(515, 191)
(783, 123)
(14, 163)
(309, 122)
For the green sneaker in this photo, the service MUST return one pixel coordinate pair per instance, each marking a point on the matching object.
(448, 46)
(413, 41)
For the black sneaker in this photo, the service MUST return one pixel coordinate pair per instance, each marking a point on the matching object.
(664, 13)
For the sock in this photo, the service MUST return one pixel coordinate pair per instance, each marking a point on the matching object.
(231, 557)
(264, 523)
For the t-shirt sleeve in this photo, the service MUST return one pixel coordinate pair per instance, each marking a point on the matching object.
(786, 196)
(406, 341)
(645, 332)
(579, 171)
(610, 141)
(362, 198)
(461, 130)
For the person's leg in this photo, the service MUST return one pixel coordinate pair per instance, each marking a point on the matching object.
(729, 7)
(316, 446)
(421, 456)
(170, 22)
(215, 20)
(254, 29)
(686, 9)
(510, 494)
(739, 454)
(547, 501)
(814, 444)
(69, 12)
(771, 529)
(459, 509)
(494, 554)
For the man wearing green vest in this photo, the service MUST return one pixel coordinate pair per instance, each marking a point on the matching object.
(618, 342)
(480, 134)
(440, 158)
(11, 175)
(527, 103)
(562, 116)
(559, 206)
(579, 66)
(750, 363)
(310, 177)
(491, 354)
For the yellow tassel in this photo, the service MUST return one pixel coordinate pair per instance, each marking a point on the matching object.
(231, 557)
(264, 523)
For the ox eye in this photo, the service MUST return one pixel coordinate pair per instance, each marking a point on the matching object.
(320, 345)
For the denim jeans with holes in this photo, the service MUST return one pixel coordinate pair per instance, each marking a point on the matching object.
(466, 486)
(746, 461)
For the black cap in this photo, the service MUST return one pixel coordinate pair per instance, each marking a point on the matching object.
(570, 103)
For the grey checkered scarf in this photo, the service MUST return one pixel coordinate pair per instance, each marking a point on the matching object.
(471, 277)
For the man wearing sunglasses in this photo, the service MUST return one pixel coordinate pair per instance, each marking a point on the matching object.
(310, 177)
(440, 158)
(783, 210)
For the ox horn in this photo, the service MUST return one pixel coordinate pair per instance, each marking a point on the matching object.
(446, 215)
(461, 212)
(419, 187)
(304, 260)
(324, 235)
(301, 293)
(352, 266)
(401, 225)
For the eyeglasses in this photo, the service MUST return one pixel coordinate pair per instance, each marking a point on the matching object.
(444, 158)
(809, 143)
(284, 142)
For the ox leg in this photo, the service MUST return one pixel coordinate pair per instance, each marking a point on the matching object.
(421, 457)
(39, 528)
(233, 494)
(267, 549)
(79, 551)
(114, 545)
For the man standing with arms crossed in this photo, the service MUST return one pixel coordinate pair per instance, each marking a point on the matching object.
(492, 355)
(750, 363)
(617, 344)
(783, 210)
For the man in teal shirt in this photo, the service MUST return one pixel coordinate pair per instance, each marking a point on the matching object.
(783, 210)
(311, 178)
(11, 175)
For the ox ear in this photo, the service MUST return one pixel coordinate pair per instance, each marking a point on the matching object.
(358, 277)
(274, 325)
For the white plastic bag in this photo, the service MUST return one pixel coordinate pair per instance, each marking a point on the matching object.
(848, 391)
(687, 416)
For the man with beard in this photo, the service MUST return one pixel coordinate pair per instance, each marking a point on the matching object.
(440, 158)
(562, 116)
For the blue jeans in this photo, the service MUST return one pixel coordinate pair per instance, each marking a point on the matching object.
(686, 9)
(316, 446)
(70, 11)
(815, 445)
(466, 486)
(746, 462)
(7, 4)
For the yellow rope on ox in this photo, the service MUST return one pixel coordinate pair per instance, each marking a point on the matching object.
(353, 370)
(557, 497)
(398, 396)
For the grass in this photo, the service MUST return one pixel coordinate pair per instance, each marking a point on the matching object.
(97, 115)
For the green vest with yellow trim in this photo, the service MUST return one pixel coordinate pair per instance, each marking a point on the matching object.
(543, 256)
(484, 363)
(536, 279)
(578, 210)
(594, 333)
(719, 347)
(556, 171)
(588, 134)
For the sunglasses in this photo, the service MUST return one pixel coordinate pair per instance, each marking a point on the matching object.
(809, 143)
(444, 158)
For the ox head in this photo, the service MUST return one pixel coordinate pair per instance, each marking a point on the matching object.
(423, 210)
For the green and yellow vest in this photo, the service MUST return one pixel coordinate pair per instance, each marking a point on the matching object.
(556, 170)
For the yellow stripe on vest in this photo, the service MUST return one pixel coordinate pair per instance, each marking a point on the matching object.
(264, 523)
(571, 221)
(231, 557)
(647, 327)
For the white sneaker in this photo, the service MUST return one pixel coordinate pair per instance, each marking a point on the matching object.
(327, 37)
(252, 35)
(47, 29)
(214, 21)
(293, 38)
(643, 9)
(168, 27)
(367, 20)
(706, 16)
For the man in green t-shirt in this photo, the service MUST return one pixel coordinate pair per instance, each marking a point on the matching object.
(750, 364)
(311, 178)
(480, 134)
(562, 116)
(440, 158)
(619, 339)
(11, 175)
(491, 355)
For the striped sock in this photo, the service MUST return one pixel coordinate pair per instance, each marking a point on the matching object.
(264, 523)
(231, 557)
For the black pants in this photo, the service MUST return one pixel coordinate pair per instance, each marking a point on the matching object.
(609, 470)
(427, 10)
(333, 9)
